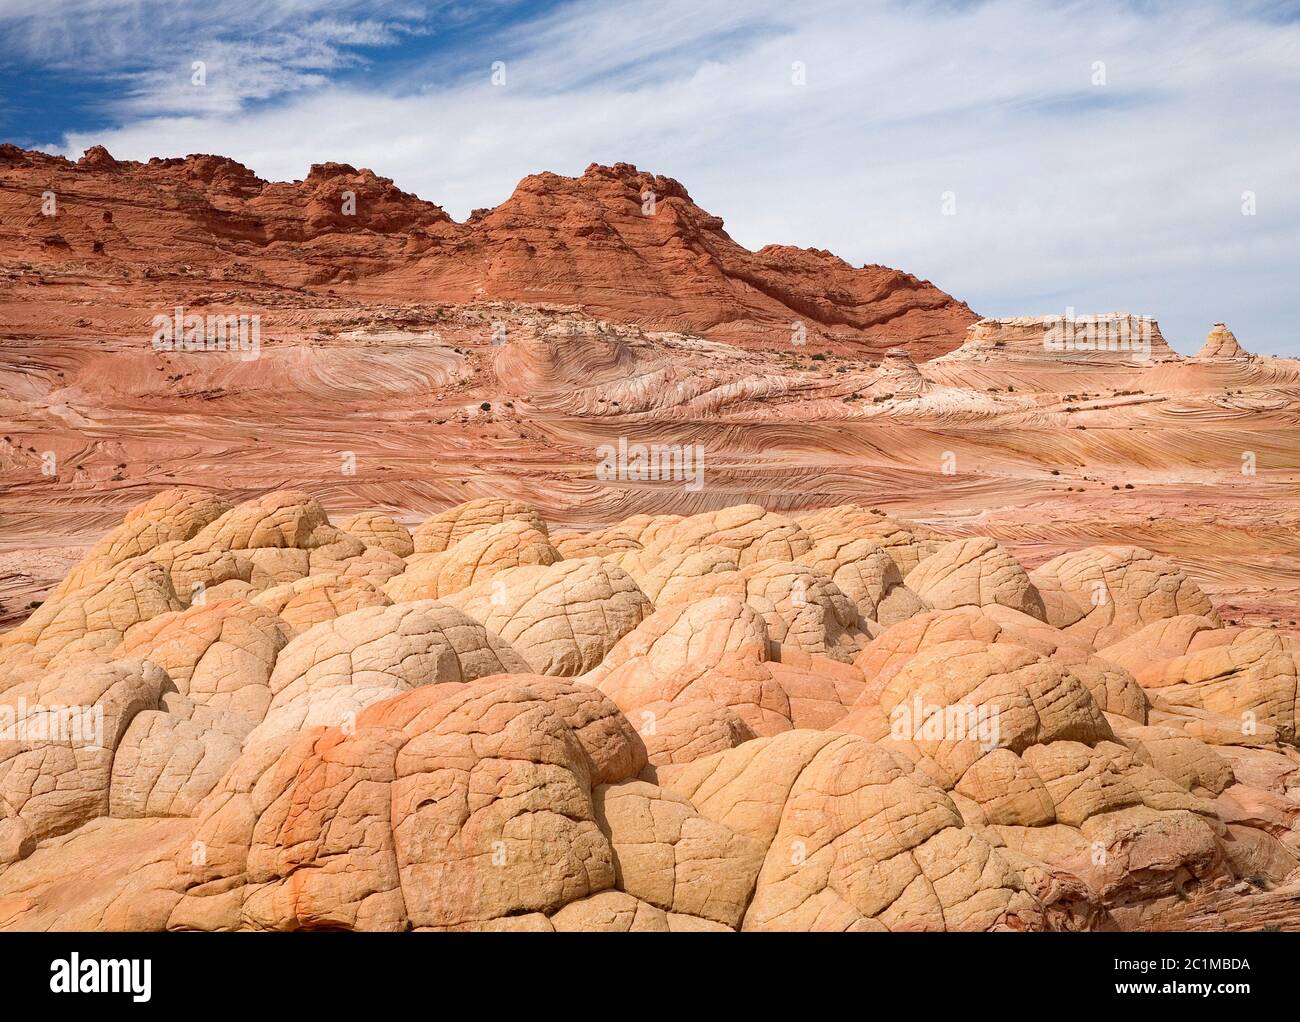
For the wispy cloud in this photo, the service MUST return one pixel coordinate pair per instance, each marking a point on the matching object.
(148, 51)
(1098, 152)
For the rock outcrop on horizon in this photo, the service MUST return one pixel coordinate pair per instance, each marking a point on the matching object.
(1112, 337)
(618, 242)
(1221, 343)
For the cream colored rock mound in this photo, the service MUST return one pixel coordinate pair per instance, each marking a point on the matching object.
(626, 536)
(906, 543)
(58, 744)
(442, 531)
(802, 606)
(309, 601)
(752, 532)
(479, 555)
(219, 655)
(718, 652)
(91, 621)
(169, 516)
(1248, 677)
(975, 573)
(897, 855)
(376, 529)
(725, 721)
(1114, 688)
(1022, 746)
(563, 618)
(680, 574)
(286, 536)
(865, 572)
(336, 668)
(1118, 589)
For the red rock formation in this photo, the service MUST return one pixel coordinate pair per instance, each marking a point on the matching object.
(623, 244)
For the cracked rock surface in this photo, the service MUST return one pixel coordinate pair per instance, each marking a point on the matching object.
(246, 715)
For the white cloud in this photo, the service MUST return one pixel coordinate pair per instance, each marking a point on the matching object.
(1118, 196)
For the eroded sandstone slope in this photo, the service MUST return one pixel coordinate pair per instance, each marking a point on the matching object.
(618, 242)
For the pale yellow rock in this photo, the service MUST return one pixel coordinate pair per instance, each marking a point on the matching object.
(627, 536)
(689, 731)
(1120, 589)
(1195, 766)
(169, 516)
(218, 654)
(854, 841)
(58, 735)
(975, 573)
(563, 618)
(480, 555)
(678, 573)
(308, 601)
(284, 519)
(752, 532)
(1115, 690)
(165, 764)
(1250, 680)
(92, 621)
(666, 854)
(805, 610)
(617, 912)
(443, 530)
(333, 670)
(109, 875)
(906, 542)
(377, 529)
(866, 574)
(1159, 641)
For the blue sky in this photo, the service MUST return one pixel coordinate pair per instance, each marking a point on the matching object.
(1100, 154)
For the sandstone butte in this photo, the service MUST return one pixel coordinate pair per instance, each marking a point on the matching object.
(584, 241)
(960, 631)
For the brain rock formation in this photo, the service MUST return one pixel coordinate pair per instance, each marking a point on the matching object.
(250, 716)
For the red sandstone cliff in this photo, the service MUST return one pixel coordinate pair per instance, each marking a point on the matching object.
(588, 241)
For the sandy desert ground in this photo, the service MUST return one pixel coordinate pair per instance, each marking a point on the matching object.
(460, 382)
